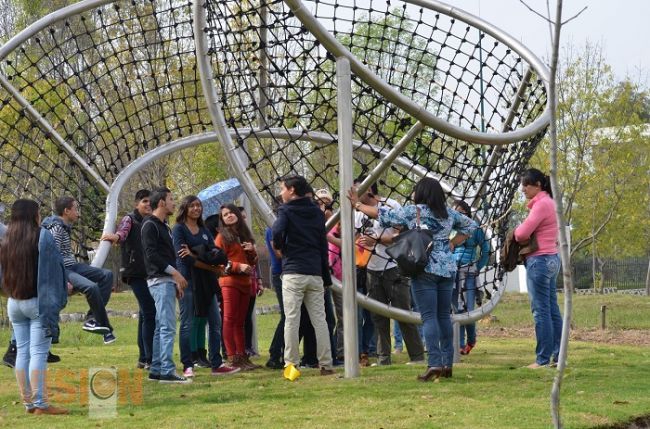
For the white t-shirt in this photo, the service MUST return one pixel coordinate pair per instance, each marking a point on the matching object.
(379, 261)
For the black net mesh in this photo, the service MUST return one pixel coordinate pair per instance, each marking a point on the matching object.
(274, 77)
(114, 82)
(120, 80)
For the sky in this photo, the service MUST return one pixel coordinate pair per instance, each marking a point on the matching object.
(621, 27)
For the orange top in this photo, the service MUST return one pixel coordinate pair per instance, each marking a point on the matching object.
(237, 255)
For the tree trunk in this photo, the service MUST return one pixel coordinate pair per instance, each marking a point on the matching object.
(564, 244)
(594, 278)
(647, 281)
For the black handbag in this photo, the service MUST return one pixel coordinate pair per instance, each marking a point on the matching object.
(411, 249)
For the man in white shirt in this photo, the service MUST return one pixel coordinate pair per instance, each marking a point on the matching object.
(385, 284)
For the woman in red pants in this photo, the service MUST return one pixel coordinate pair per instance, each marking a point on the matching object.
(236, 239)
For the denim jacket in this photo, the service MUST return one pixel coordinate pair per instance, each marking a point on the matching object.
(51, 284)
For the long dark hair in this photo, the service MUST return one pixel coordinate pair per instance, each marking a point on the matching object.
(240, 233)
(181, 216)
(533, 176)
(19, 252)
(428, 191)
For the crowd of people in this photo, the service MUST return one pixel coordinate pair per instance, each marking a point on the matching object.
(211, 268)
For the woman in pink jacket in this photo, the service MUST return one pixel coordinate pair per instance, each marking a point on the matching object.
(542, 265)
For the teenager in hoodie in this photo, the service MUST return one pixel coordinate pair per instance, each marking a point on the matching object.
(299, 234)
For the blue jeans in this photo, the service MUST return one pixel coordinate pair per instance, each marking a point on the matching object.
(276, 351)
(541, 278)
(397, 333)
(146, 318)
(433, 298)
(463, 299)
(96, 284)
(186, 305)
(31, 357)
(367, 334)
(164, 295)
(214, 334)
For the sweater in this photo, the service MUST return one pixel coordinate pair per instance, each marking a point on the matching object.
(542, 222)
(158, 249)
(237, 256)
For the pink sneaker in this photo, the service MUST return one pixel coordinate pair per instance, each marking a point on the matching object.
(225, 370)
(188, 372)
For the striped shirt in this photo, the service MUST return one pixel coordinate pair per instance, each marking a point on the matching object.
(61, 236)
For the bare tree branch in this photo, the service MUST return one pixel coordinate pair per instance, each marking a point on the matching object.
(582, 243)
(574, 16)
(545, 18)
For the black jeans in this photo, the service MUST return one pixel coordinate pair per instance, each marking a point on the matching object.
(146, 317)
(248, 325)
(276, 351)
(389, 287)
(96, 284)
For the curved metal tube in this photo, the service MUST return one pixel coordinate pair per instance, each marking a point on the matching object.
(217, 115)
(47, 20)
(187, 142)
(408, 316)
(129, 171)
(337, 49)
(225, 136)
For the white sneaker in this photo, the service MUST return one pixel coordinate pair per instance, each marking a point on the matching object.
(188, 373)
(416, 362)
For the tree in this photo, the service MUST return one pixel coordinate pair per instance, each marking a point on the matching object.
(603, 158)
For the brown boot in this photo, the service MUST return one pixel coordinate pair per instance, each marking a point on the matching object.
(51, 411)
(364, 360)
(239, 362)
(250, 364)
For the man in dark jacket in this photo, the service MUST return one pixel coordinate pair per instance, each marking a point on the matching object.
(299, 234)
(129, 235)
(165, 285)
(95, 283)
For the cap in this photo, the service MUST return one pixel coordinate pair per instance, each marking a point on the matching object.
(324, 194)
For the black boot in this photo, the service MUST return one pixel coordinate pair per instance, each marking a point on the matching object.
(202, 358)
(52, 358)
(9, 358)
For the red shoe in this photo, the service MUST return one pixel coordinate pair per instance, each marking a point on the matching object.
(468, 348)
(225, 370)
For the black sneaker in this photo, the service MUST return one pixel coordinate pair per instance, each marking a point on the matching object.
(174, 378)
(141, 364)
(274, 364)
(9, 359)
(92, 326)
(52, 358)
(153, 377)
(109, 338)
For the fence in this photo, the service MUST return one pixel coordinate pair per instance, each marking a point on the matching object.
(629, 273)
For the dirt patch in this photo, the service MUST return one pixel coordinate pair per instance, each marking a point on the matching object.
(642, 422)
(636, 337)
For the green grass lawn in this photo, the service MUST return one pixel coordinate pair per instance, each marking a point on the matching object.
(490, 389)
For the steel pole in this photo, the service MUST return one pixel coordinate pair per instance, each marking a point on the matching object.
(350, 332)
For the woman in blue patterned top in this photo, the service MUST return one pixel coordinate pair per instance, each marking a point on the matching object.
(433, 288)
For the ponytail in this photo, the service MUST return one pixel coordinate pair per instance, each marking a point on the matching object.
(533, 176)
